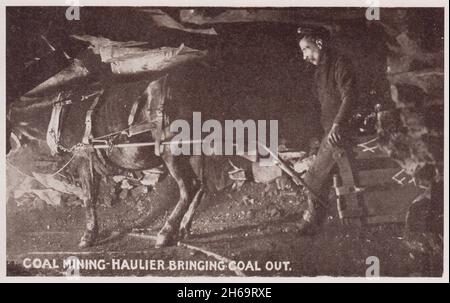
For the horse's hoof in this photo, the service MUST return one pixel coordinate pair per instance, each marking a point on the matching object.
(87, 240)
(164, 240)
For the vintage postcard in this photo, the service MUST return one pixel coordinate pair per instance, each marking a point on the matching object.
(228, 141)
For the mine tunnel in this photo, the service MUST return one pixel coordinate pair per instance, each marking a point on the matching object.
(256, 70)
(259, 62)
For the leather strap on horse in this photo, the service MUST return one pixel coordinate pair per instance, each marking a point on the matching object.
(160, 115)
(133, 111)
(54, 126)
(53, 130)
(157, 93)
(88, 120)
(141, 127)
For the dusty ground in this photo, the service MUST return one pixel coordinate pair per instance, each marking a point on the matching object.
(256, 223)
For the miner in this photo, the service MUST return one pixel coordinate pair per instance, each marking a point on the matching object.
(335, 82)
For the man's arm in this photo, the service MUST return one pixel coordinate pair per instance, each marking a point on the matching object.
(346, 84)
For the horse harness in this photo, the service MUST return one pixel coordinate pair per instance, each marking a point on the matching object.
(157, 94)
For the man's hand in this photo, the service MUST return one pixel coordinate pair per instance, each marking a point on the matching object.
(335, 136)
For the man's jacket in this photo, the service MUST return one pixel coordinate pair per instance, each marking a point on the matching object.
(336, 89)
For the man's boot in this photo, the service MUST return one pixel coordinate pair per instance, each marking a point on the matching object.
(313, 217)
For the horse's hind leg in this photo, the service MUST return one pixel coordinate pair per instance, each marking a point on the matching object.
(89, 182)
(168, 234)
(185, 226)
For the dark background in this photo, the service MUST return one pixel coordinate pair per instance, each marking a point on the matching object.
(259, 67)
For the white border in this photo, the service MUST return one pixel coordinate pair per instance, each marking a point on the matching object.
(237, 3)
(228, 3)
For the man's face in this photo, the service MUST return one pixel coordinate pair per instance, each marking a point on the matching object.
(311, 50)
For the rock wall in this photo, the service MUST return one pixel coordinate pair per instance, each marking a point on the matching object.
(412, 130)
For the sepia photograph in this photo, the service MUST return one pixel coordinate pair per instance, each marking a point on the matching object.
(225, 141)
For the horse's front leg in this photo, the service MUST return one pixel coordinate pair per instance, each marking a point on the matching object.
(169, 233)
(89, 182)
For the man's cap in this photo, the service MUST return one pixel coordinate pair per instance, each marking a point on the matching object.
(316, 32)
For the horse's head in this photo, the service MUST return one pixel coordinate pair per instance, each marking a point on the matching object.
(25, 122)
